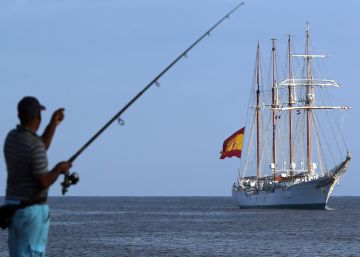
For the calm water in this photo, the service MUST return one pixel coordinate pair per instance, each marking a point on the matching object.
(197, 226)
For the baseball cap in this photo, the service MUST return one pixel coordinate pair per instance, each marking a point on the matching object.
(30, 105)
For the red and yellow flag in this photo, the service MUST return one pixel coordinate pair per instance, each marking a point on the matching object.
(233, 145)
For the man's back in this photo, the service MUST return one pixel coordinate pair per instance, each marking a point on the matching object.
(25, 157)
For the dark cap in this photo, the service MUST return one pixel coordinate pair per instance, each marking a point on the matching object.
(30, 105)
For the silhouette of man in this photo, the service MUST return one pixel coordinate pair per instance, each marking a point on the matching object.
(29, 178)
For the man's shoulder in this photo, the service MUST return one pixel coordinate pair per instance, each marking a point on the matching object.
(19, 136)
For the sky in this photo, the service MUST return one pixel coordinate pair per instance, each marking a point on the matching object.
(92, 56)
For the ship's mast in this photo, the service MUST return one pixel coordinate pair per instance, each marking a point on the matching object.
(290, 87)
(309, 99)
(258, 120)
(274, 105)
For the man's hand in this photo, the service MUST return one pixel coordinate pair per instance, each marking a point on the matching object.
(63, 167)
(58, 116)
(48, 179)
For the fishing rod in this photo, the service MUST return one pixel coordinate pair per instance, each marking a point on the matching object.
(73, 178)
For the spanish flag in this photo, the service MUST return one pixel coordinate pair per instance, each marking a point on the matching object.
(233, 145)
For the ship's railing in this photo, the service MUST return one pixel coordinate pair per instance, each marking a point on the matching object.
(253, 183)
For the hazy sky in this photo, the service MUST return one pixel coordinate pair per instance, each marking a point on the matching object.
(92, 56)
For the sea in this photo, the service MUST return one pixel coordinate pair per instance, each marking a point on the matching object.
(196, 226)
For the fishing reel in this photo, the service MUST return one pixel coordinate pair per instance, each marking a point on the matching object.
(69, 179)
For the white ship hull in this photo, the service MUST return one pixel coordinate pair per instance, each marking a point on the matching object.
(313, 194)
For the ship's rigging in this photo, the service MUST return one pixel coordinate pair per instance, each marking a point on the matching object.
(287, 135)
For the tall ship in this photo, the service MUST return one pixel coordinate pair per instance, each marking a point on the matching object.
(295, 153)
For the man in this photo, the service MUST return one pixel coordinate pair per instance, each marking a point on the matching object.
(29, 178)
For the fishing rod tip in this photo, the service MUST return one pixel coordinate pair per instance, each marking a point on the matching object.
(236, 7)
